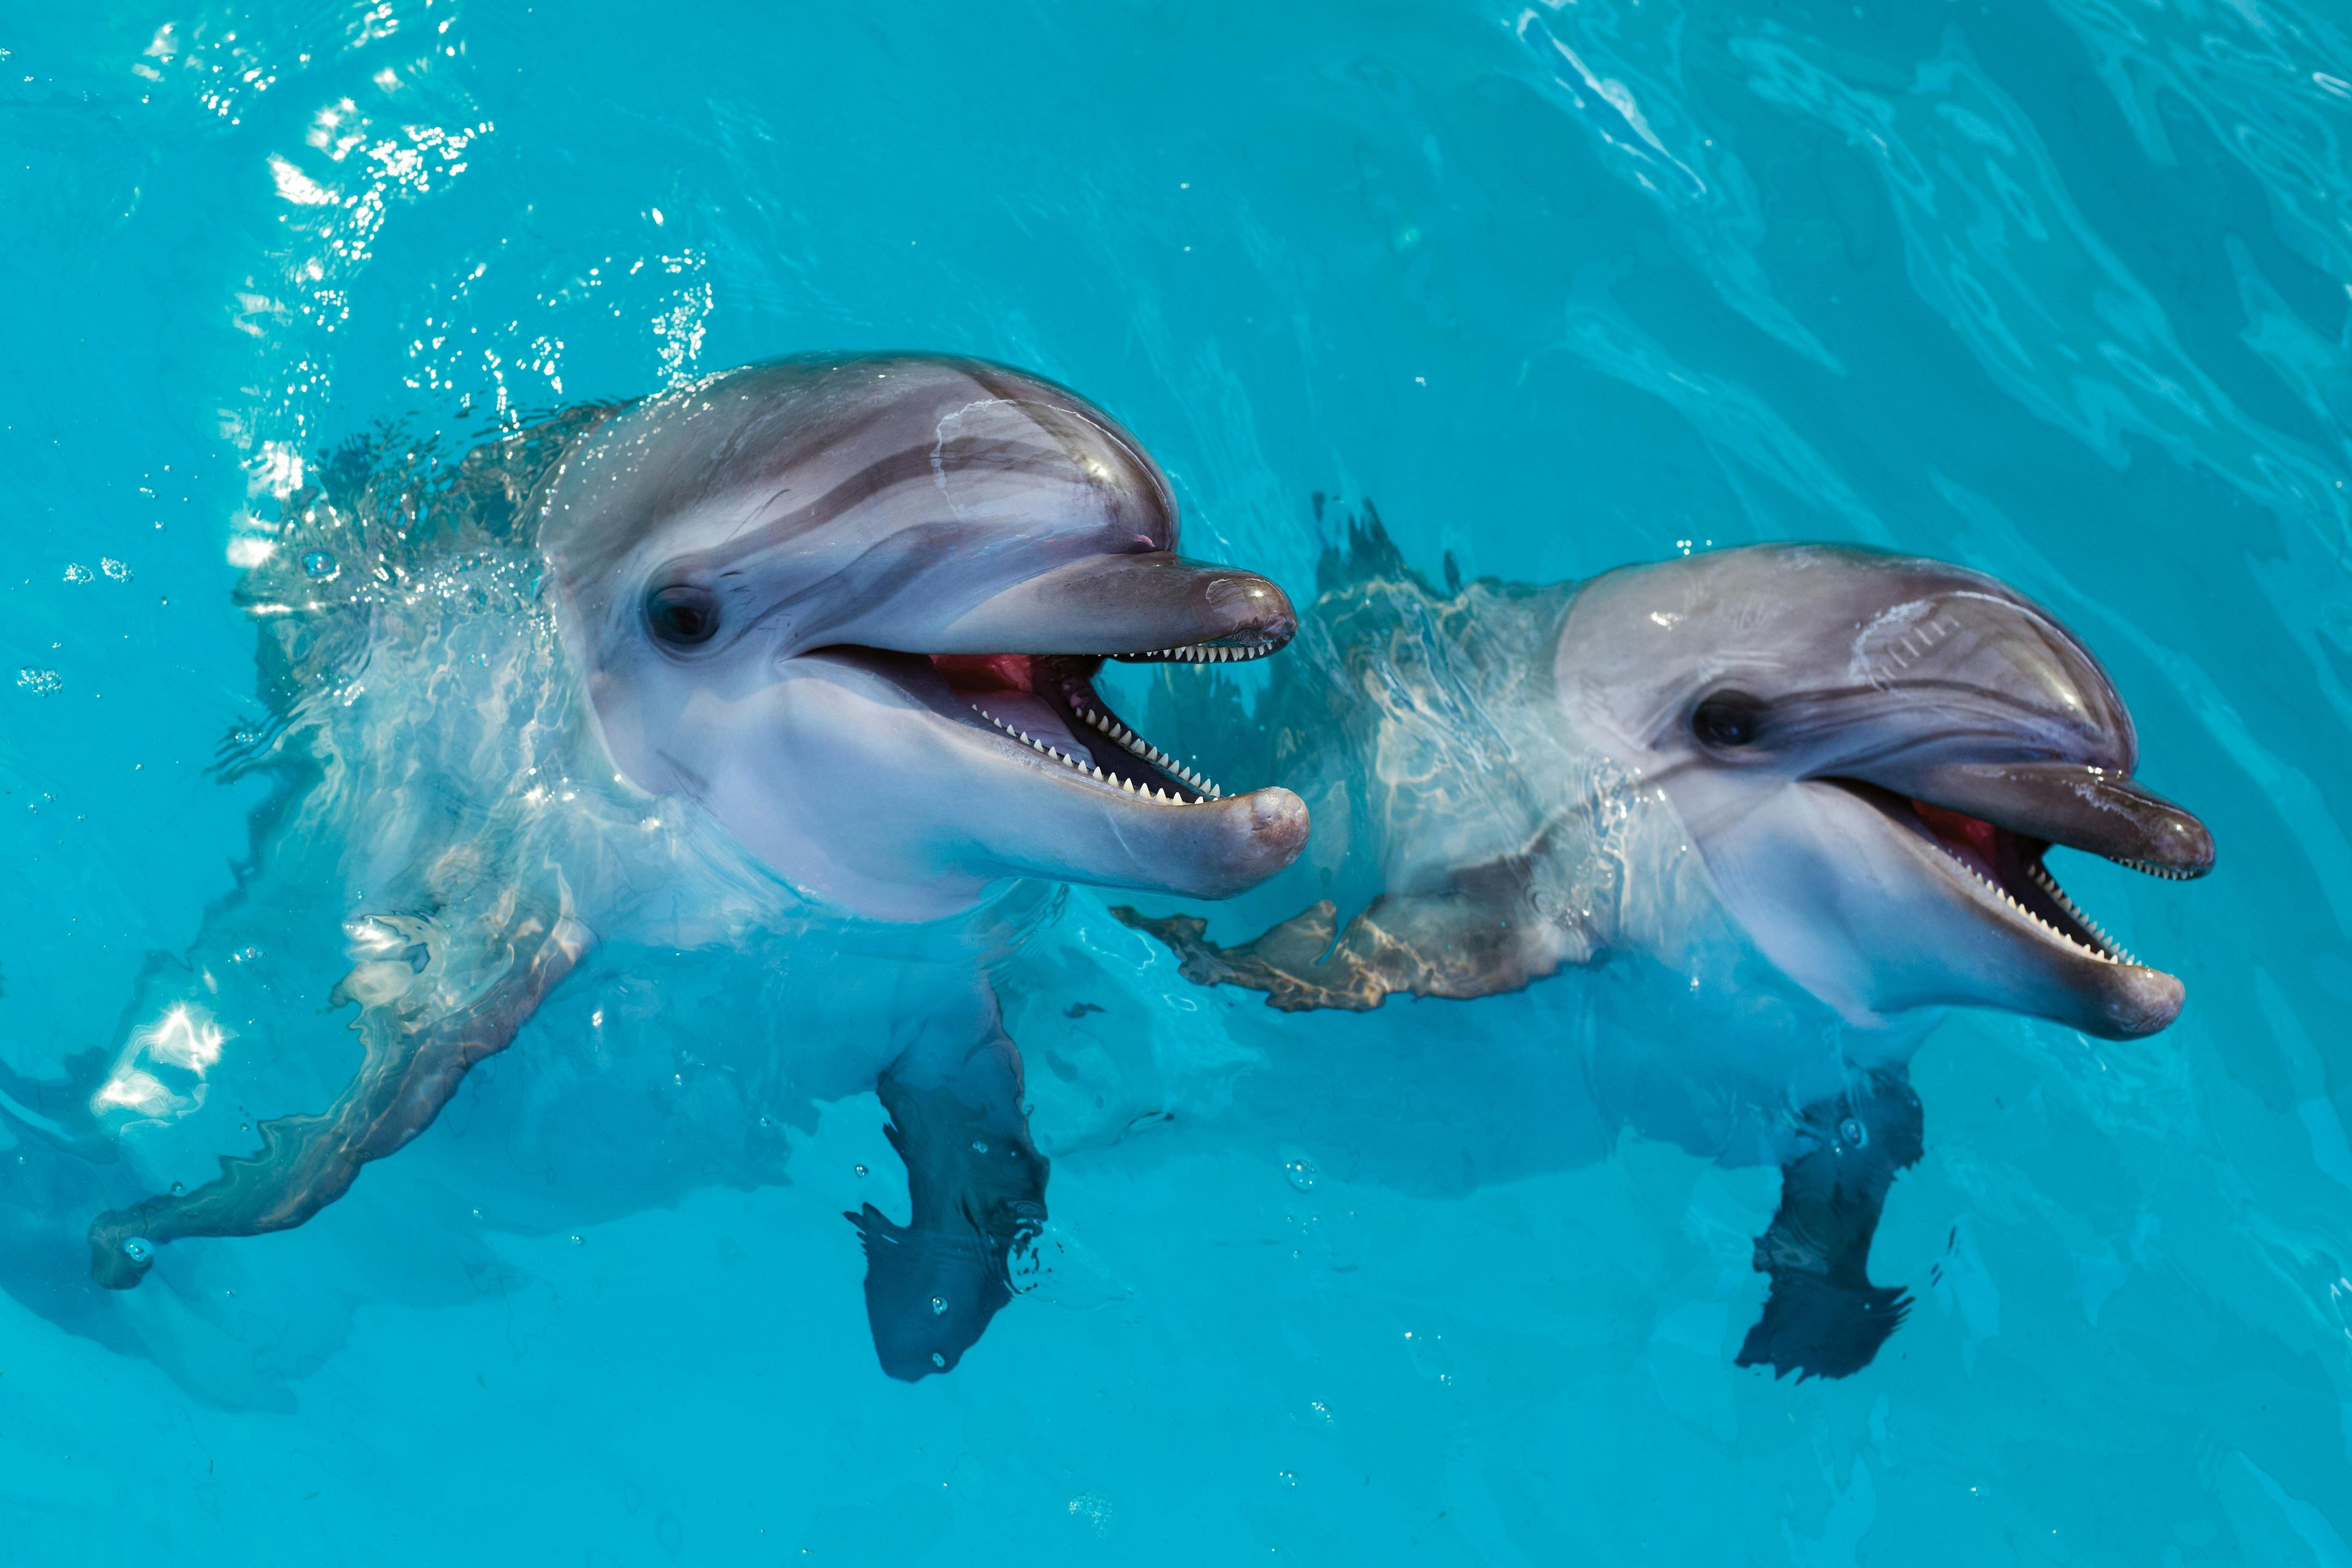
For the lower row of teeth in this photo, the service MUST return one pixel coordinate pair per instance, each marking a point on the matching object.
(1205, 791)
(2112, 952)
(1202, 653)
(2048, 884)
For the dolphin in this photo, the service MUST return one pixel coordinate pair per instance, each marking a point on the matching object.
(1851, 762)
(807, 646)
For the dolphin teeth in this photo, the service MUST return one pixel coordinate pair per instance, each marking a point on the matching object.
(1203, 791)
(2150, 868)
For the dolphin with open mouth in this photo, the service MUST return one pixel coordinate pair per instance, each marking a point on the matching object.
(810, 643)
(1858, 760)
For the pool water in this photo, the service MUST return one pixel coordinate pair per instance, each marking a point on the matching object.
(2060, 289)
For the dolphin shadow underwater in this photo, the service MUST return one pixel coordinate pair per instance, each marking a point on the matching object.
(1811, 779)
(794, 664)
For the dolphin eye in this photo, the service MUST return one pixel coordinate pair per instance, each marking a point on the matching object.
(1727, 718)
(682, 616)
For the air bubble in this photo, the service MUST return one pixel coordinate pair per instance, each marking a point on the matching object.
(1852, 1133)
(939, 1306)
(938, 1360)
(42, 682)
(120, 570)
(859, 1169)
(179, 1189)
(1300, 1173)
(319, 564)
(139, 1249)
(978, 1147)
(77, 573)
(579, 1241)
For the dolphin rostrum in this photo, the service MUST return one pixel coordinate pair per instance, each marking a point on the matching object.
(804, 645)
(1854, 761)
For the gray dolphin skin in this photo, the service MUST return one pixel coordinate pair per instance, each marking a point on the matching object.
(807, 645)
(1853, 761)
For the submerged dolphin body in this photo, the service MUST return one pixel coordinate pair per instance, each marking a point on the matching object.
(806, 646)
(1852, 762)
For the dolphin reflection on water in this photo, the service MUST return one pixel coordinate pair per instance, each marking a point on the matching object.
(806, 646)
(1854, 761)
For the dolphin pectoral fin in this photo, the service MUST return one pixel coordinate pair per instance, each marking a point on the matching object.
(978, 1190)
(411, 1068)
(1823, 1317)
(1455, 945)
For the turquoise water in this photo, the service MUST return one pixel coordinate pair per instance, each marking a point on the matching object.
(2057, 290)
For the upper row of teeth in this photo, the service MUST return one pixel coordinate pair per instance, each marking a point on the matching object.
(1119, 733)
(2042, 880)
(2150, 868)
(1203, 653)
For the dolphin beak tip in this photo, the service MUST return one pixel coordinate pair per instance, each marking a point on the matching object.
(1262, 833)
(1279, 818)
(2145, 1004)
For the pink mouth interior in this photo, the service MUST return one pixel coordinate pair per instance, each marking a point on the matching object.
(1005, 685)
(972, 673)
(1970, 839)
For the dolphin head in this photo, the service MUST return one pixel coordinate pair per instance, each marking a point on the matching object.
(1872, 752)
(853, 606)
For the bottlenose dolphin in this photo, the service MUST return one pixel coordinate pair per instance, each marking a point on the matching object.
(808, 646)
(1854, 761)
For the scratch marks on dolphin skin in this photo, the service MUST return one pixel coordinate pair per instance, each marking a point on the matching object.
(1894, 639)
(1619, 72)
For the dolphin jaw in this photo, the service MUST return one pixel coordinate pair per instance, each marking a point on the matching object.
(1015, 694)
(1201, 790)
(2002, 871)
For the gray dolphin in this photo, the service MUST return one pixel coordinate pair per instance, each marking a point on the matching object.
(1851, 762)
(803, 647)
